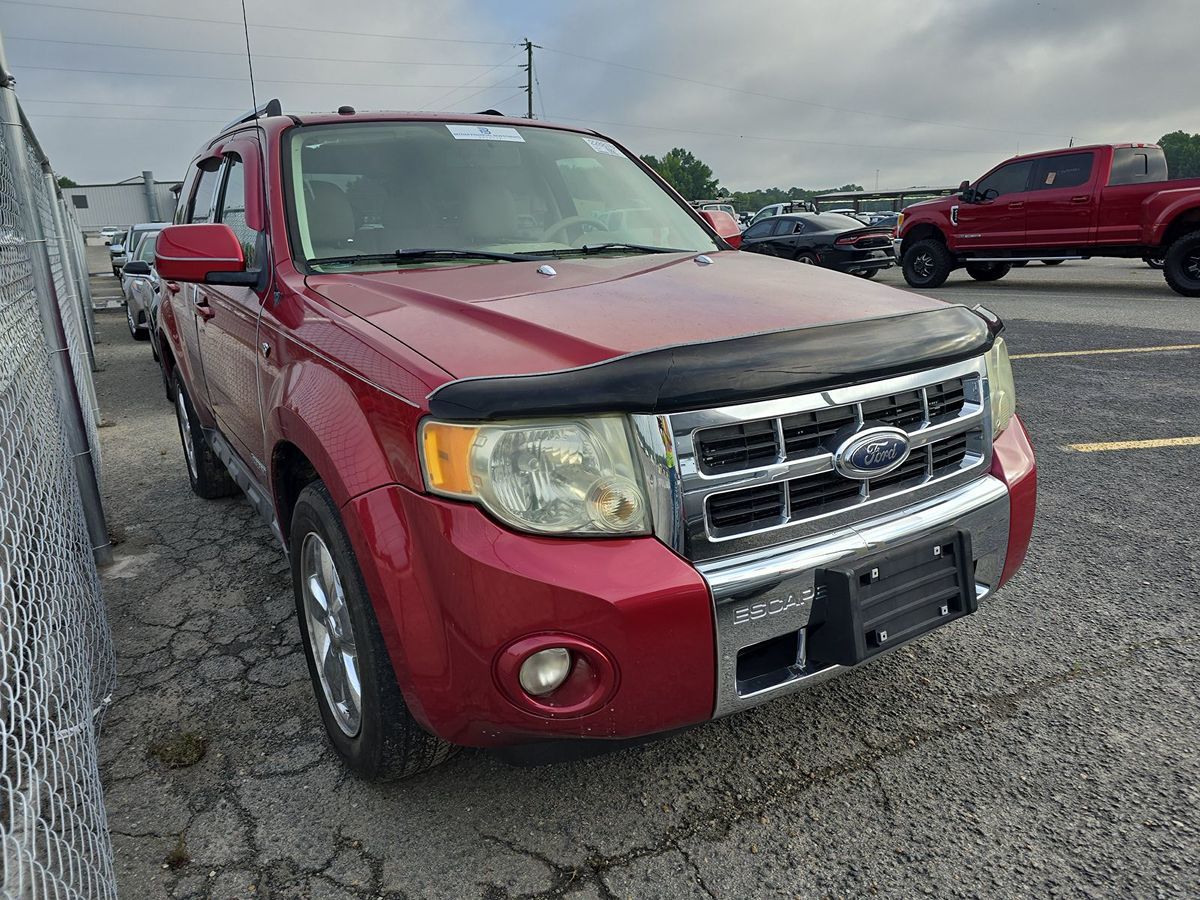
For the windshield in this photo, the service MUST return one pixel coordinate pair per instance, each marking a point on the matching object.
(370, 189)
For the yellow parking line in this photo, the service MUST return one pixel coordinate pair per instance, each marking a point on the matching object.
(1136, 445)
(1102, 352)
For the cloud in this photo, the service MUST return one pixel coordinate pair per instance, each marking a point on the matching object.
(925, 93)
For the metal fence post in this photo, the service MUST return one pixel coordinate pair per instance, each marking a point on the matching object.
(53, 328)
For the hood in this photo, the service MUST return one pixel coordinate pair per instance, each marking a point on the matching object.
(947, 201)
(506, 319)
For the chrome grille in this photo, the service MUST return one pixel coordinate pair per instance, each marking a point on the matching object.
(762, 473)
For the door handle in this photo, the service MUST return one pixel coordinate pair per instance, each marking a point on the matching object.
(1082, 198)
(203, 310)
(1017, 204)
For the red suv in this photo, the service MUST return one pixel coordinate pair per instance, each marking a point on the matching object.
(549, 458)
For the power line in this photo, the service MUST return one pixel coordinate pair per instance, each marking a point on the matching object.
(752, 137)
(40, 4)
(797, 100)
(228, 78)
(344, 59)
(440, 97)
(25, 100)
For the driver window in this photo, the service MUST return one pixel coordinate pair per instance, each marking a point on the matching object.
(759, 229)
(1010, 179)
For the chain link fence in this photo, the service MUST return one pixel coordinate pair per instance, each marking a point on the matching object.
(57, 665)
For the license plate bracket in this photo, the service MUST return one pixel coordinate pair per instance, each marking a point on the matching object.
(886, 600)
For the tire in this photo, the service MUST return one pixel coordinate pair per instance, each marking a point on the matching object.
(136, 331)
(116, 272)
(866, 273)
(927, 264)
(1154, 263)
(807, 259)
(374, 733)
(1181, 267)
(208, 476)
(1053, 262)
(987, 271)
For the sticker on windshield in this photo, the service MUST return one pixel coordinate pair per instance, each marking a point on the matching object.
(603, 146)
(485, 133)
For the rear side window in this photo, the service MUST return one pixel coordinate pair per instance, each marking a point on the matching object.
(1132, 165)
(1067, 171)
(233, 210)
(783, 226)
(1010, 179)
(200, 209)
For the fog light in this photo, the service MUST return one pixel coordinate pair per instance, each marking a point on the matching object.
(545, 670)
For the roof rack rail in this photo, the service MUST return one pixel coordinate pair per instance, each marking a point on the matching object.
(270, 108)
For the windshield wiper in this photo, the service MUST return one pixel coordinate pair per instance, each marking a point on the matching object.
(608, 247)
(416, 254)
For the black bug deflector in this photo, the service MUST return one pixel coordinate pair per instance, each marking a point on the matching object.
(728, 371)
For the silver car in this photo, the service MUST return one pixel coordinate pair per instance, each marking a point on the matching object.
(140, 282)
(129, 245)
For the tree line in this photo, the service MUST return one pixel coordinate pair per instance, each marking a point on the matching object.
(694, 179)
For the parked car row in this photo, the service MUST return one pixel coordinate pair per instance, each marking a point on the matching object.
(553, 463)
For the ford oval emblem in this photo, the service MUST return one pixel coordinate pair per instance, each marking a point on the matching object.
(872, 452)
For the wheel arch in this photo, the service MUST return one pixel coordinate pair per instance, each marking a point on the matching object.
(1183, 222)
(920, 232)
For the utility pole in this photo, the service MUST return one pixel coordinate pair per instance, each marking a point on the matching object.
(528, 67)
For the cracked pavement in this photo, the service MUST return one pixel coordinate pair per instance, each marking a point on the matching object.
(1047, 746)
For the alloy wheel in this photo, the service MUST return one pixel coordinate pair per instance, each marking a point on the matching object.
(331, 634)
(923, 265)
(1191, 265)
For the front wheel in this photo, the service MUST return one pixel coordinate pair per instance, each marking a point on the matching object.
(136, 331)
(987, 271)
(866, 273)
(1154, 263)
(364, 713)
(1181, 267)
(208, 476)
(927, 264)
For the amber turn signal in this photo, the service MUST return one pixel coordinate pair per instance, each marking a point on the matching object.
(447, 451)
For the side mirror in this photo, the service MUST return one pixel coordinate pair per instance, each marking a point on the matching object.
(965, 194)
(210, 254)
(724, 225)
(137, 267)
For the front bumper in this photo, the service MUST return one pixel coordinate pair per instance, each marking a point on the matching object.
(453, 590)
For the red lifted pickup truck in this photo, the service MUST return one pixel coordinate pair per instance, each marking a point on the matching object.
(1106, 200)
(550, 459)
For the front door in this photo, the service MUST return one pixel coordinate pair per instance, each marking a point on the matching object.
(1060, 211)
(227, 324)
(997, 218)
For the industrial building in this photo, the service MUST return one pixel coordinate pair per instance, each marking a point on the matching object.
(138, 199)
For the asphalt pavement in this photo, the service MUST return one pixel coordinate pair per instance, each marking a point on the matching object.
(1048, 745)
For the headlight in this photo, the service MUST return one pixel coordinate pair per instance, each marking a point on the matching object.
(1000, 386)
(573, 476)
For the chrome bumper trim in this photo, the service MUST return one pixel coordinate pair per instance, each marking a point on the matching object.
(768, 593)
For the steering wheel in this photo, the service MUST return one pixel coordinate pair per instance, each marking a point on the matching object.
(563, 224)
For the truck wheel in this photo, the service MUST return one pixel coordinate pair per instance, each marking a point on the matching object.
(1182, 265)
(987, 271)
(1154, 263)
(927, 264)
(364, 713)
(207, 474)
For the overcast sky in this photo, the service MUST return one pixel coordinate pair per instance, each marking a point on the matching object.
(816, 92)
